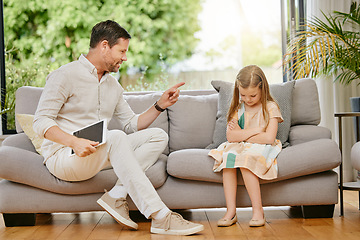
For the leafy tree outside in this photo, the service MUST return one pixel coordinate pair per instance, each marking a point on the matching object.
(42, 35)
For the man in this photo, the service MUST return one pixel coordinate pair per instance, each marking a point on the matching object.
(82, 92)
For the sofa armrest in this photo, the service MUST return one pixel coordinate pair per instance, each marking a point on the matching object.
(305, 133)
(19, 140)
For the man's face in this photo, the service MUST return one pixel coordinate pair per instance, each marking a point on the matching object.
(116, 55)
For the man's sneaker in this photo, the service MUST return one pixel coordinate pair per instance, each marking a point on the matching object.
(175, 224)
(118, 209)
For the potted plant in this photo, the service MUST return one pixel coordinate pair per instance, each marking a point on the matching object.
(328, 48)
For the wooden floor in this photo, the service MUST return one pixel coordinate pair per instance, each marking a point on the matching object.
(282, 223)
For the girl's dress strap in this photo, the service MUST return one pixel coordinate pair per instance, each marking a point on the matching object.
(241, 115)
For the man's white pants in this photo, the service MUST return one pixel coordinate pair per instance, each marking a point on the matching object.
(129, 155)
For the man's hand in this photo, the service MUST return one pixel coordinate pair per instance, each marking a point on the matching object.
(84, 147)
(167, 99)
(81, 146)
(170, 96)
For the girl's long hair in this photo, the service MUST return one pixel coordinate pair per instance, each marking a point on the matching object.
(251, 76)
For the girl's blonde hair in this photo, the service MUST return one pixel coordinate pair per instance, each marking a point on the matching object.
(251, 76)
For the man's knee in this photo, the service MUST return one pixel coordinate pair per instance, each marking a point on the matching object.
(161, 135)
(115, 135)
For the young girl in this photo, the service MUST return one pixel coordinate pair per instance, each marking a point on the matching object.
(251, 145)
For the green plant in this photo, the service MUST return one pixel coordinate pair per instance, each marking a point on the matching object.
(59, 31)
(327, 47)
(17, 75)
(48, 34)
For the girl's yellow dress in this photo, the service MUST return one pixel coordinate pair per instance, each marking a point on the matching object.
(258, 158)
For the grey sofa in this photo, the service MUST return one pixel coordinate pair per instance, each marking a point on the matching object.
(183, 175)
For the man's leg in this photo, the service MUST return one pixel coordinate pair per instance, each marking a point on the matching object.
(127, 168)
(141, 190)
(148, 145)
(119, 151)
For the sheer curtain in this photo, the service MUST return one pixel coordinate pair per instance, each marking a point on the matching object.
(335, 97)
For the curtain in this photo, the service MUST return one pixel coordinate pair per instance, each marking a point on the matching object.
(334, 97)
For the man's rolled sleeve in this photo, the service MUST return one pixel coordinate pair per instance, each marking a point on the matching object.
(125, 115)
(52, 98)
(42, 124)
(133, 124)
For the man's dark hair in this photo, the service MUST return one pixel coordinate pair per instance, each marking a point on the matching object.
(107, 30)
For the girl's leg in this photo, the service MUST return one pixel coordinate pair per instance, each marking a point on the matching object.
(230, 187)
(253, 188)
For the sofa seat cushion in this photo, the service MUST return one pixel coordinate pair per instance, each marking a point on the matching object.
(20, 140)
(26, 167)
(294, 161)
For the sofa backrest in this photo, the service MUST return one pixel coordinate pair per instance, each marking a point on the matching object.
(191, 121)
(27, 99)
(305, 106)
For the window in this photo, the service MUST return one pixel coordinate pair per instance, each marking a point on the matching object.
(234, 33)
(293, 20)
(224, 37)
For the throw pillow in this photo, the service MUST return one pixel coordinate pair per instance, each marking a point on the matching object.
(192, 121)
(26, 123)
(140, 103)
(225, 90)
(282, 93)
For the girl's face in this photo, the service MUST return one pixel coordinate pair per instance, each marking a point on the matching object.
(251, 95)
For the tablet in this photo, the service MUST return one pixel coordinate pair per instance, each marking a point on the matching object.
(95, 132)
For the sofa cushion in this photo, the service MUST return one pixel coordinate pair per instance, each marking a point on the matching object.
(305, 133)
(294, 161)
(26, 167)
(355, 156)
(192, 121)
(281, 92)
(27, 99)
(26, 123)
(306, 106)
(139, 104)
(20, 140)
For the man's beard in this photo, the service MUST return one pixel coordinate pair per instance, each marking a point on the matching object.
(114, 68)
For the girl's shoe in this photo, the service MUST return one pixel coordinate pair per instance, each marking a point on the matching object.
(257, 223)
(227, 222)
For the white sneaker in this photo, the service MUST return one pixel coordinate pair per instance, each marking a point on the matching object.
(175, 224)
